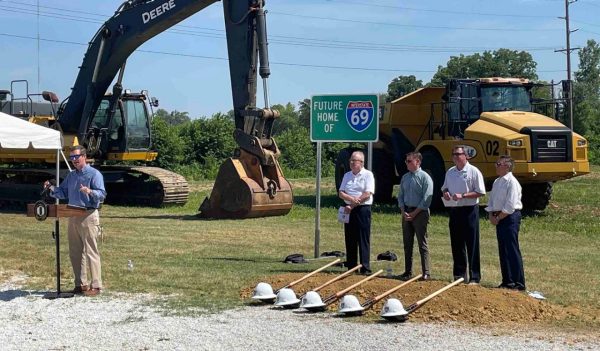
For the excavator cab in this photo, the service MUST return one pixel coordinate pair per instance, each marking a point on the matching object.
(137, 126)
(127, 130)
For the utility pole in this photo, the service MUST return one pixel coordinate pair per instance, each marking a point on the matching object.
(568, 51)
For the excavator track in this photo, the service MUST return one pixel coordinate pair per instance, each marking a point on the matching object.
(125, 185)
(144, 186)
(19, 186)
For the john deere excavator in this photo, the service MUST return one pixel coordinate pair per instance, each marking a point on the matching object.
(116, 127)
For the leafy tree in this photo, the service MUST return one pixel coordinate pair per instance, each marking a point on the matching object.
(173, 118)
(287, 120)
(586, 90)
(499, 63)
(586, 98)
(304, 113)
(298, 156)
(208, 137)
(401, 86)
(166, 141)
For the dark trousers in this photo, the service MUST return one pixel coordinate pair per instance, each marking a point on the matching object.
(417, 227)
(464, 234)
(357, 234)
(511, 261)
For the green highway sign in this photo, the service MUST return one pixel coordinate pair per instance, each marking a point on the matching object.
(344, 118)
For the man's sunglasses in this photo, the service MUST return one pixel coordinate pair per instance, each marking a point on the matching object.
(74, 157)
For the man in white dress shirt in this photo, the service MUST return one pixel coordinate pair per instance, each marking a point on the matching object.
(357, 189)
(464, 184)
(504, 211)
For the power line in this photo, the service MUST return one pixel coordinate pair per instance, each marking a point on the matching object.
(590, 3)
(513, 15)
(56, 8)
(587, 31)
(586, 23)
(414, 25)
(440, 11)
(272, 62)
(334, 44)
(363, 46)
(353, 21)
(58, 16)
(463, 49)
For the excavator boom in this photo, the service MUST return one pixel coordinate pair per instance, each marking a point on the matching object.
(251, 183)
(134, 23)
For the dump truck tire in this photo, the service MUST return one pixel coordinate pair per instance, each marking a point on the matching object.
(536, 196)
(434, 166)
(385, 176)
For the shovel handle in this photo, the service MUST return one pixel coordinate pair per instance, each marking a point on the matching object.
(311, 274)
(369, 303)
(339, 277)
(333, 297)
(392, 290)
(343, 292)
(431, 296)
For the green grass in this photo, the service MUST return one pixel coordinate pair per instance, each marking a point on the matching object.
(205, 263)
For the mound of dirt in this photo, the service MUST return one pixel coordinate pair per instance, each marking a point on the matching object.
(470, 304)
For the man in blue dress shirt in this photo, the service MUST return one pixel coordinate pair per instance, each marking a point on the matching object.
(84, 188)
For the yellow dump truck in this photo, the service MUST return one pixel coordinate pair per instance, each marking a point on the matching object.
(491, 117)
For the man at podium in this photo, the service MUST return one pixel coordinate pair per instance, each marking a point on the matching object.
(84, 188)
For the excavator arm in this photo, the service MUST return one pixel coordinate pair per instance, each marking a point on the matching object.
(134, 23)
(251, 183)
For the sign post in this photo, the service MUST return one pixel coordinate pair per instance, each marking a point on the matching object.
(341, 118)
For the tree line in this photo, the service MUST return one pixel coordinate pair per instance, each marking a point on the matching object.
(196, 147)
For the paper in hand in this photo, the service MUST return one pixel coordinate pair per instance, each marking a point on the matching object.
(449, 203)
(343, 217)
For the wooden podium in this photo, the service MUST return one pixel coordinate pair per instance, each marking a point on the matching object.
(53, 210)
(41, 210)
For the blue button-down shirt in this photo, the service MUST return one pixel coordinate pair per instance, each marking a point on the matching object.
(70, 188)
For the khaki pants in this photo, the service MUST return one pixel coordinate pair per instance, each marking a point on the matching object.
(83, 249)
(417, 227)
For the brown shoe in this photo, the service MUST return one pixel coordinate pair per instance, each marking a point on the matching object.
(92, 292)
(80, 289)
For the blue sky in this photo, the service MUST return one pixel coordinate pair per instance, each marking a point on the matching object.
(316, 46)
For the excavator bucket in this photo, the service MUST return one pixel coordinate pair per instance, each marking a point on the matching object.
(245, 189)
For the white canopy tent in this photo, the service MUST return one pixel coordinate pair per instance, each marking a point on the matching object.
(16, 133)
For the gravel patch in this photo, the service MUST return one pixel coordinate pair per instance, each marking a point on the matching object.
(115, 322)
